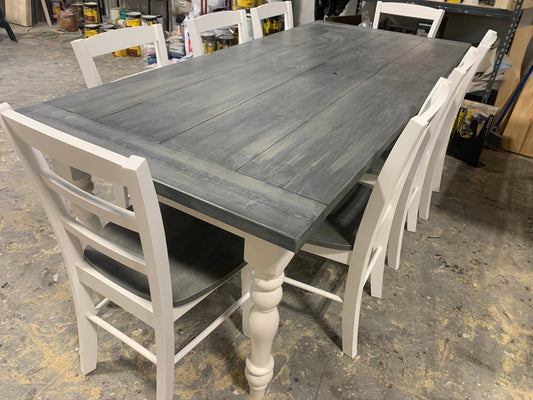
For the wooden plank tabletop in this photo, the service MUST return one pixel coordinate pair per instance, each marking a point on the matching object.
(267, 136)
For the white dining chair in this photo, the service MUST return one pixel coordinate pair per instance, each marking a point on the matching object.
(432, 164)
(216, 20)
(118, 39)
(417, 198)
(437, 162)
(356, 233)
(152, 260)
(410, 197)
(270, 10)
(87, 49)
(434, 15)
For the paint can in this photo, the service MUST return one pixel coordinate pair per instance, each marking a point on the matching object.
(108, 27)
(133, 18)
(147, 20)
(90, 10)
(209, 42)
(123, 14)
(245, 4)
(91, 30)
(114, 14)
(77, 9)
(56, 8)
(225, 41)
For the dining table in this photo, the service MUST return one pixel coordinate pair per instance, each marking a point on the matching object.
(263, 139)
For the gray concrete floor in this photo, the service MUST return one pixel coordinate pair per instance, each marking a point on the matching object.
(455, 321)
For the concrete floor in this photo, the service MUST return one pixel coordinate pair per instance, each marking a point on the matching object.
(455, 321)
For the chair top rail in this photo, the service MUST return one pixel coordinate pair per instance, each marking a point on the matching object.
(270, 10)
(489, 38)
(222, 19)
(119, 39)
(435, 101)
(410, 10)
(95, 160)
(216, 20)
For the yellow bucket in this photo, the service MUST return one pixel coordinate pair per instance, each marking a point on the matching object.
(91, 30)
(90, 11)
(133, 18)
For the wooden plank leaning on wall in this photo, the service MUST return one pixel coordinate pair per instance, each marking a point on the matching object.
(19, 12)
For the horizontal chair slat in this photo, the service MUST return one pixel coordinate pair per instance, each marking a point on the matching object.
(103, 209)
(104, 246)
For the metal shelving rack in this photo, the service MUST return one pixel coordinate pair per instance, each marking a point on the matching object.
(484, 11)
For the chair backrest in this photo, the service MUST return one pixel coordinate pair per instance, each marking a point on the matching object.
(416, 176)
(270, 10)
(216, 20)
(33, 140)
(374, 229)
(434, 15)
(460, 79)
(107, 42)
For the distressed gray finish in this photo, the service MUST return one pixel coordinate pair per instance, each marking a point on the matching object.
(267, 136)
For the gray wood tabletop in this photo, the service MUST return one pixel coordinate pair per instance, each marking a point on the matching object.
(267, 136)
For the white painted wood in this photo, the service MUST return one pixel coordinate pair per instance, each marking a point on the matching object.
(460, 79)
(246, 284)
(270, 10)
(367, 259)
(411, 191)
(341, 256)
(469, 63)
(107, 42)
(142, 309)
(211, 327)
(313, 289)
(268, 262)
(261, 205)
(84, 182)
(212, 21)
(103, 303)
(122, 337)
(33, 141)
(434, 15)
(46, 13)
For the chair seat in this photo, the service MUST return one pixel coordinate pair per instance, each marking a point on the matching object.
(201, 256)
(339, 229)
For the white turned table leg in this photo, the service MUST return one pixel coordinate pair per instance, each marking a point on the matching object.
(268, 262)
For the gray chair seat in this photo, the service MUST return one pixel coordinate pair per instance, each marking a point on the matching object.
(339, 229)
(201, 256)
